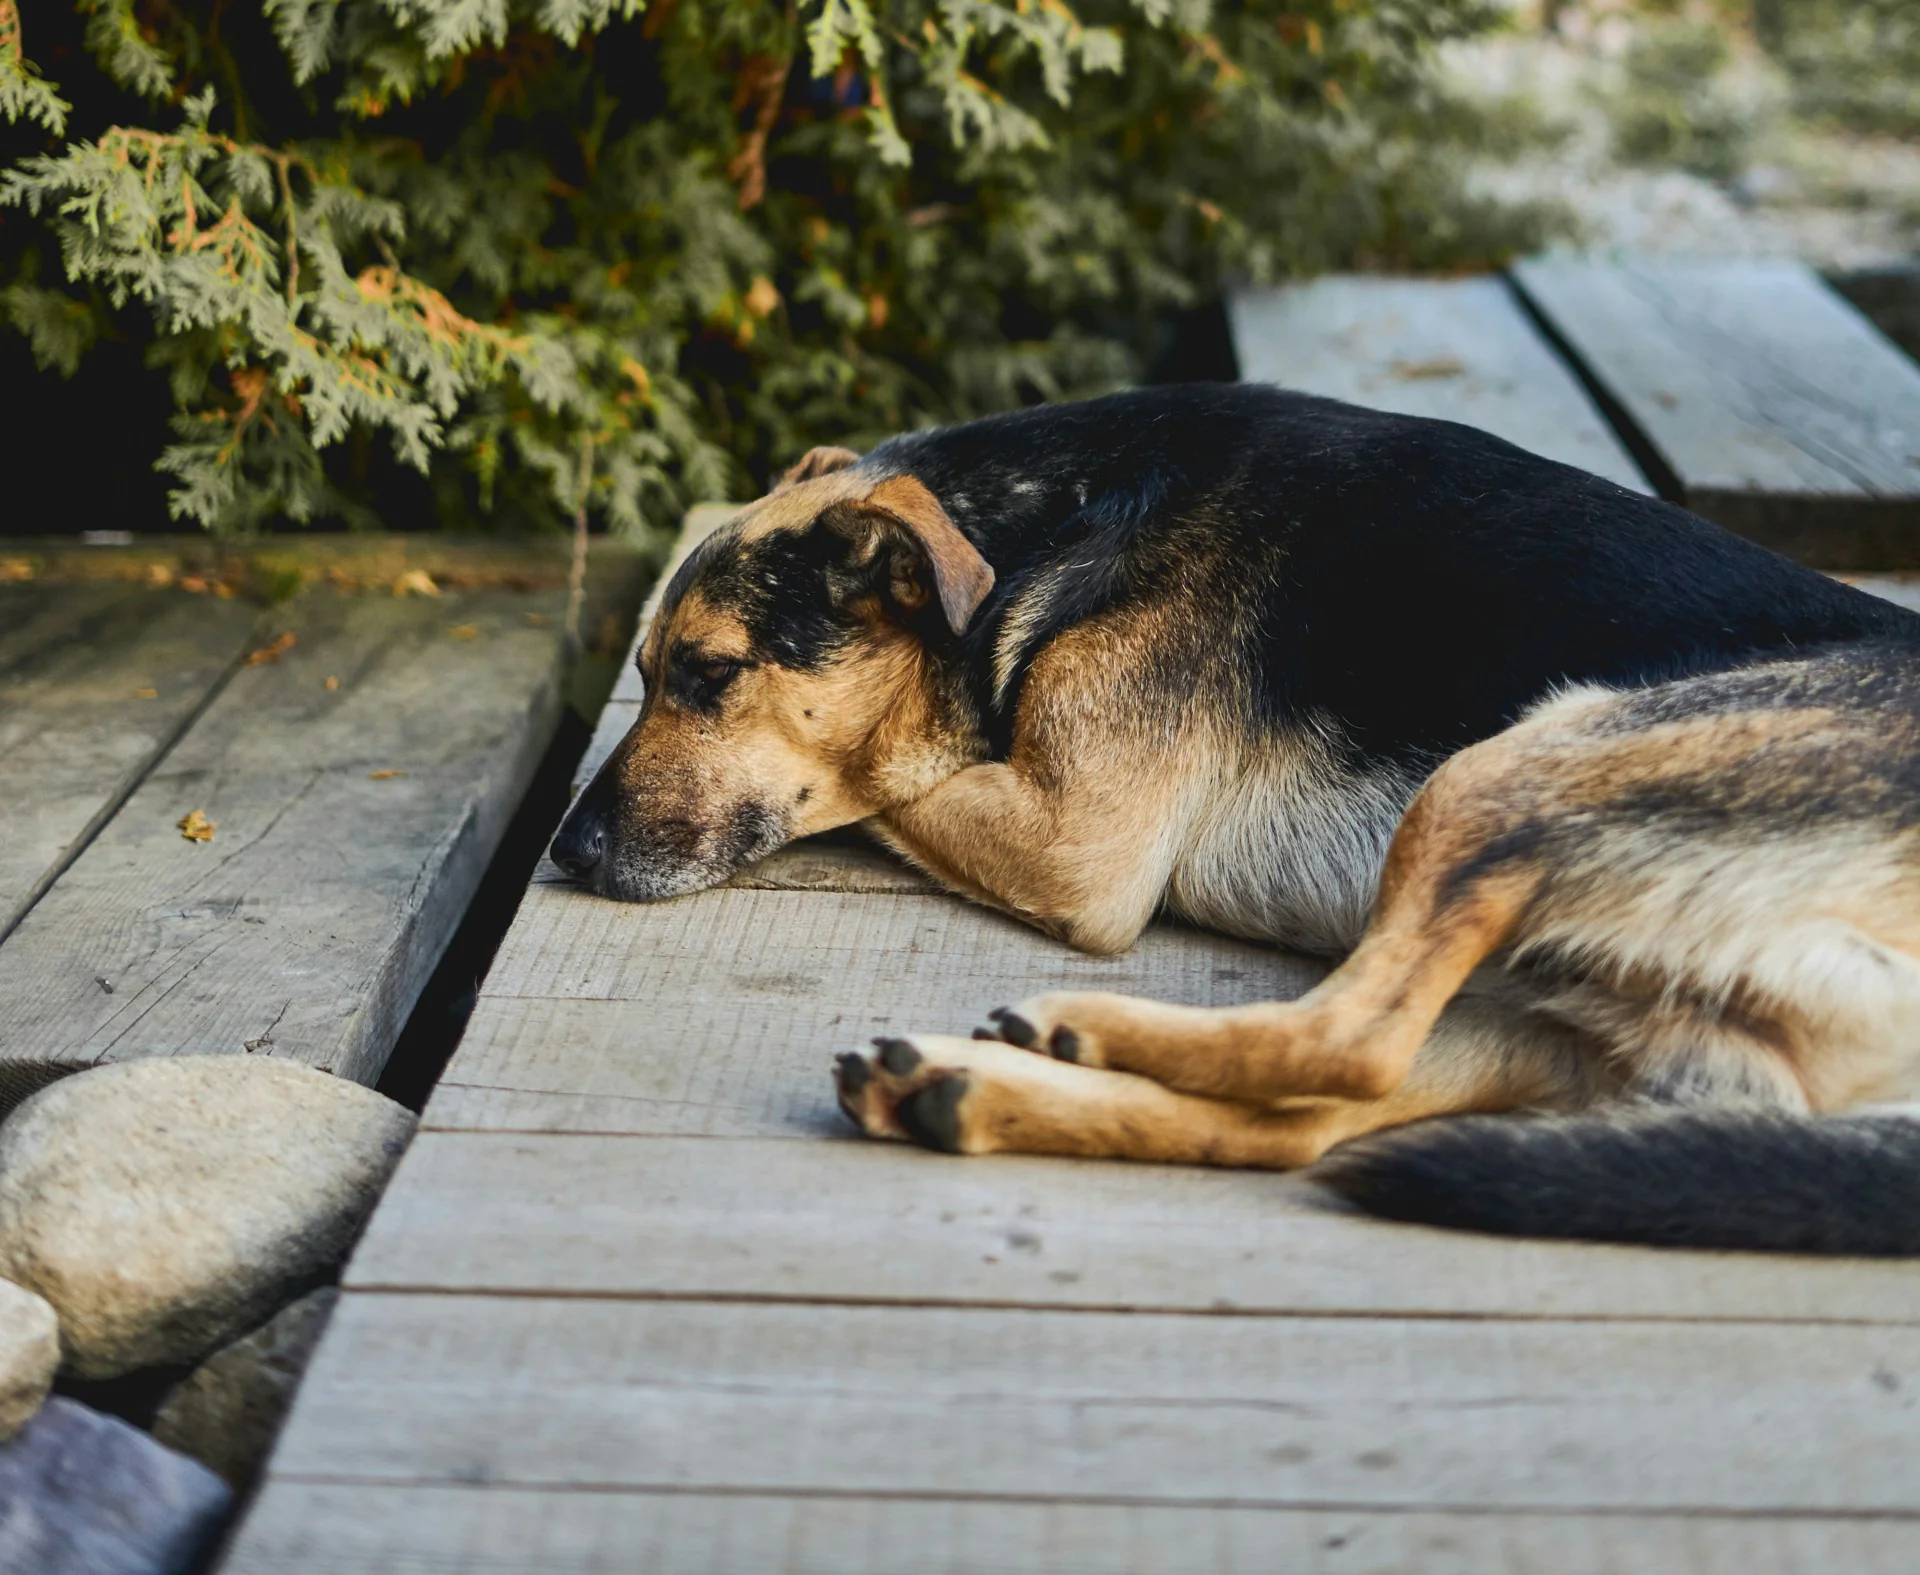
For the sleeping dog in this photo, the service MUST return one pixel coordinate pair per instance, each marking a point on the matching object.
(1613, 816)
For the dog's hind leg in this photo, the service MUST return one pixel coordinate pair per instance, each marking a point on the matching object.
(1452, 894)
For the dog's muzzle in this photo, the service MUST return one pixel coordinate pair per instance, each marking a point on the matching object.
(645, 859)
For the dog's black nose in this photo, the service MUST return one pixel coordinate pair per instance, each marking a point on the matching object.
(579, 845)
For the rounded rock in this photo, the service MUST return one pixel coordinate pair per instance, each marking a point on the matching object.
(29, 1355)
(165, 1206)
(226, 1412)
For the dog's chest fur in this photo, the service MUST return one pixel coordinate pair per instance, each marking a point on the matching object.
(1288, 849)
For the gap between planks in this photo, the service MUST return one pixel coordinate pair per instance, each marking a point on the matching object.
(100, 684)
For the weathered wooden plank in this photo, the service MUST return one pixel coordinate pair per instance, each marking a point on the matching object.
(692, 1217)
(1777, 408)
(717, 1014)
(724, 946)
(307, 926)
(339, 1529)
(96, 681)
(1285, 1412)
(1459, 350)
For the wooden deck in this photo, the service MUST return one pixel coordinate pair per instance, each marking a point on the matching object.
(359, 753)
(638, 1300)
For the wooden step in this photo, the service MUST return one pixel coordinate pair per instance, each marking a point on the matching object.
(1458, 350)
(1766, 401)
(359, 753)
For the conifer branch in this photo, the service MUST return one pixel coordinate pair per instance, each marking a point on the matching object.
(24, 93)
(555, 301)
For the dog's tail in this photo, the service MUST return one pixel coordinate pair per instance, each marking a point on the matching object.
(1758, 1182)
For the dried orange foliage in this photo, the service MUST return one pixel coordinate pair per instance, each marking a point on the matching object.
(195, 826)
(438, 317)
(273, 652)
(415, 582)
(384, 776)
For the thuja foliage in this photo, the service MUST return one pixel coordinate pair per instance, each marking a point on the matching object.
(1855, 63)
(613, 255)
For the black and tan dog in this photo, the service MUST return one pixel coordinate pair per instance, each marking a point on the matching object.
(1615, 816)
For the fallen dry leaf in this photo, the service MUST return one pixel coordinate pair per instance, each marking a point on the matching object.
(146, 694)
(465, 631)
(415, 582)
(195, 826)
(196, 583)
(273, 652)
(1440, 366)
(536, 619)
(384, 776)
(333, 683)
(15, 569)
(159, 575)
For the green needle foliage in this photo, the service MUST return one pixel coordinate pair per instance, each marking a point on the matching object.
(616, 255)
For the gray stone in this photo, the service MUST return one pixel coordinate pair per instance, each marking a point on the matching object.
(166, 1206)
(226, 1412)
(86, 1494)
(29, 1355)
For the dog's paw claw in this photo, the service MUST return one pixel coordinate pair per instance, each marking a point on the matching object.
(898, 1056)
(1065, 1025)
(1014, 1028)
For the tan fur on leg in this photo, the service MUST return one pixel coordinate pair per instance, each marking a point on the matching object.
(970, 1096)
(1352, 1037)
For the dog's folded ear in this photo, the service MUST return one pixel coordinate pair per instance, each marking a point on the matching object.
(818, 462)
(961, 577)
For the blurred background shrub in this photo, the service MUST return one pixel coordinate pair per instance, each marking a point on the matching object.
(1672, 105)
(485, 263)
(1855, 63)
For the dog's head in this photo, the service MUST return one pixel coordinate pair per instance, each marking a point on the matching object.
(791, 653)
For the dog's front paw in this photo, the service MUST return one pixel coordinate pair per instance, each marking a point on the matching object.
(913, 1089)
(1065, 1024)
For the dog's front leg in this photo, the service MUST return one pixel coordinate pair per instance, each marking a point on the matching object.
(1088, 867)
(971, 1096)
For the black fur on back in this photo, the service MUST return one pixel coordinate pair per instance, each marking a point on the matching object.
(1410, 585)
(1752, 1181)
